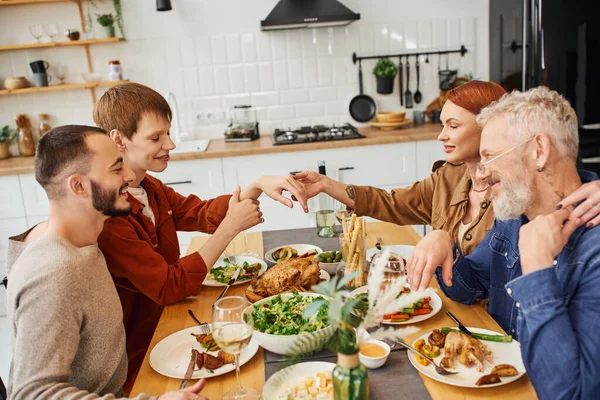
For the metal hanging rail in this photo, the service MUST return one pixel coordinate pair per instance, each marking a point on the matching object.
(462, 52)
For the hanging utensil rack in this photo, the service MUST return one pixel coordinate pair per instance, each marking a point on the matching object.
(462, 52)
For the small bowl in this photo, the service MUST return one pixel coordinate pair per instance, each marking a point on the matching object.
(375, 362)
(330, 268)
(388, 117)
(91, 76)
(16, 82)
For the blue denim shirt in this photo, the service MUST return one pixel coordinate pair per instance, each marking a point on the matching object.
(554, 312)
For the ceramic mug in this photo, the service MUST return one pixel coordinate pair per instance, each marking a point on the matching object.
(418, 117)
(41, 79)
(435, 116)
(39, 66)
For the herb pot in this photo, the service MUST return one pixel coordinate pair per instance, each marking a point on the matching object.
(109, 31)
(4, 153)
(385, 85)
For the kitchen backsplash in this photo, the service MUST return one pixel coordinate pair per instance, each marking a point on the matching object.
(212, 56)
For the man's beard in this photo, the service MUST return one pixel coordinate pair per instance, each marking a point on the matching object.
(104, 201)
(515, 196)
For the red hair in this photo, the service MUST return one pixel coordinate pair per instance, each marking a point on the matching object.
(473, 96)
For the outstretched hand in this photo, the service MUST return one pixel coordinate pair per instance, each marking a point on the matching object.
(433, 250)
(191, 393)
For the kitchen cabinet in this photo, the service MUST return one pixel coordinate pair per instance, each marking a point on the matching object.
(11, 202)
(34, 196)
(429, 151)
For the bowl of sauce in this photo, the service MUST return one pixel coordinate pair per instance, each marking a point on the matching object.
(373, 353)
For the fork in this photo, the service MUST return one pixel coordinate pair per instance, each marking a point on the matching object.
(230, 258)
(440, 370)
(204, 328)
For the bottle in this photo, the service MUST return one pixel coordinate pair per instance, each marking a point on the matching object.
(44, 124)
(350, 378)
(325, 214)
(114, 71)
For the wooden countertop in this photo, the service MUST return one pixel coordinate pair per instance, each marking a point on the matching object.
(219, 148)
(175, 318)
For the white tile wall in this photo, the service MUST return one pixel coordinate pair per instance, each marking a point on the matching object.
(213, 58)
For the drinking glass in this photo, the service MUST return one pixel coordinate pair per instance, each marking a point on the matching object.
(246, 251)
(51, 30)
(60, 72)
(232, 332)
(36, 32)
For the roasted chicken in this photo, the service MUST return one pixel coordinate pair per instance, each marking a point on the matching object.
(470, 351)
(293, 274)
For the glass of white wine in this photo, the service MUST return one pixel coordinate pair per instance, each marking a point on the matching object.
(232, 332)
(247, 252)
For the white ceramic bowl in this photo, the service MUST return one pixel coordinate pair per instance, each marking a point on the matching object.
(330, 268)
(91, 76)
(300, 248)
(375, 362)
(281, 344)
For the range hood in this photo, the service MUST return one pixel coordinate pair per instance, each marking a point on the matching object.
(297, 14)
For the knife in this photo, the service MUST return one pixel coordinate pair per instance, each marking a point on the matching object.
(190, 370)
(462, 328)
(231, 282)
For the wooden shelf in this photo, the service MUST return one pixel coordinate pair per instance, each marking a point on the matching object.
(66, 86)
(60, 44)
(17, 2)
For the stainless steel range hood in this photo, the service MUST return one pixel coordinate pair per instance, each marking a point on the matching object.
(297, 14)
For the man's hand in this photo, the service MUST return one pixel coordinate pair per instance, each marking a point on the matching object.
(314, 183)
(589, 210)
(242, 214)
(273, 186)
(542, 239)
(190, 393)
(433, 250)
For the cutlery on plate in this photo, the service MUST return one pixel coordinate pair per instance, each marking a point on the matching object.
(462, 328)
(204, 327)
(440, 370)
(190, 370)
(231, 282)
(378, 244)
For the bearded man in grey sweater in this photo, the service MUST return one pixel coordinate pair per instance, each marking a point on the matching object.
(65, 314)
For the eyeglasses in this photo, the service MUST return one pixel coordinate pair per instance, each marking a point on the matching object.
(481, 166)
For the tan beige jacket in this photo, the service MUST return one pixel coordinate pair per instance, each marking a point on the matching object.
(440, 201)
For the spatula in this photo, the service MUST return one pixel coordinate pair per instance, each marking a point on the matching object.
(408, 96)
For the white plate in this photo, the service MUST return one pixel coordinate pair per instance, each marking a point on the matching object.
(239, 260)
(503, 353)
(399, 249)
(435, 303)
(171, 356)
(301, 248)
(293, 375)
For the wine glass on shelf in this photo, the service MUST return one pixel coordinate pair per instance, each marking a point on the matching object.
(232, 331)
(51, 30)
(246, 251)
(61, 73)
(36, 32)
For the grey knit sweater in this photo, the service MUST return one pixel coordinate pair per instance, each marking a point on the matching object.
(66, 322)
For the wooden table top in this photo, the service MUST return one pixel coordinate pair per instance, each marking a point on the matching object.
(220, 148)
(175, 318)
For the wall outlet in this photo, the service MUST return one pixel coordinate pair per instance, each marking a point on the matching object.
(210, 116)
(201, 116)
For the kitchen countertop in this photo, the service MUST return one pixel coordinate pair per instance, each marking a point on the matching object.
(218, 148)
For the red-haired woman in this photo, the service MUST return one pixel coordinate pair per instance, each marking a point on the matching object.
(451, 198)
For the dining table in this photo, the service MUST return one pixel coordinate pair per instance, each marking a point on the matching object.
(175, 317)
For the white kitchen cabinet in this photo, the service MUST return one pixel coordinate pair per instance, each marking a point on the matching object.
(8, 227)
(11, 202)
(429, 151)
(34, 196)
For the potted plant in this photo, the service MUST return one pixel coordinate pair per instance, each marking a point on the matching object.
(6, 137)
(107, 22)
(385, 71)
(352, 316)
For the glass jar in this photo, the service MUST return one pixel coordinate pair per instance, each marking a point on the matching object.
(350, 378)
(26, 143)
(115, 73)
(354, 254)
(44, 124)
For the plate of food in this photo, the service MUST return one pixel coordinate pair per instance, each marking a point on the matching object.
(294, 274)
(423, 309)
(224, 269)
(492, 359)
(289, 251)
(301, 381)
(171, 356)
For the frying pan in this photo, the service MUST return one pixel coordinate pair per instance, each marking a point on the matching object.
(362, 107)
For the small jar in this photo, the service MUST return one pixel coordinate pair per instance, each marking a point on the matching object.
(114, 71)
(26, 143)
(44, 124)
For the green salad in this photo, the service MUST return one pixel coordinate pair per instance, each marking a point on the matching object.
(284, 317)
(224, 273)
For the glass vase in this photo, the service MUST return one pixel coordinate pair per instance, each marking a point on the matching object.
(350, 378)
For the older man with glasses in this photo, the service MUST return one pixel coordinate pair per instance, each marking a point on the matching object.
(539, 269)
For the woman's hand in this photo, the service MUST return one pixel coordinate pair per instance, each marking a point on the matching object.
(589, 210)
(191, 393)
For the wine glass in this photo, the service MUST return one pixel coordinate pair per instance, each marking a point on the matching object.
(51, 30)
(60, 72)
(246, 251)
(36, 32)
(232, 331)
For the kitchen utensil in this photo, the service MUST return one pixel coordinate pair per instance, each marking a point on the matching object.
(440, 370)
(362, 107)
(447, 77)
(390, 126)
(408, 100)
(462, 328)
(391, 116)
(419, 117)
(231, 282)
(41, 79)
(401, 79)
(190, 370)
(204, 328)
(378, 243)
(418, 95)
(435, 116)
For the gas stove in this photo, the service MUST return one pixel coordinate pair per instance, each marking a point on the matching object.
(317, 133)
